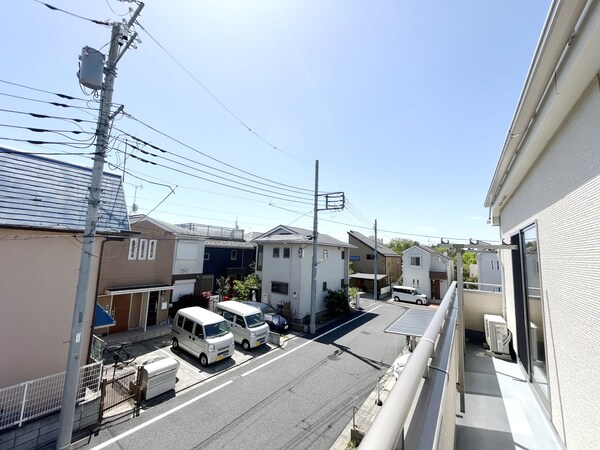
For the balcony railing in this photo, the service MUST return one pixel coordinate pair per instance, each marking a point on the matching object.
(420, 410)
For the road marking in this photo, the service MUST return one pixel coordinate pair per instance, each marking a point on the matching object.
(306, 343)
(227, 383)
(159, 417)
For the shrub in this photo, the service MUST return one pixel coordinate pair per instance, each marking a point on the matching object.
(337, 302)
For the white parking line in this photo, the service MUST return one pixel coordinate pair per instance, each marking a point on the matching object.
(227, 383)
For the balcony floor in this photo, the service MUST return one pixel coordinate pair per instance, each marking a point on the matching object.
(501, 409)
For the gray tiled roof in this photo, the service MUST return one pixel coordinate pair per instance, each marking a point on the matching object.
(39, 192)
(284, 233)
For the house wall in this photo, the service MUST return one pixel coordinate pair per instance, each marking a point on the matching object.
(36, 315)
(561, 194)
(489, 271)
(220, 263)
(297, 272)
(420, 275)
(391, 266)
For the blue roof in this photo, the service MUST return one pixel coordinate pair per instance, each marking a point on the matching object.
(40, 192)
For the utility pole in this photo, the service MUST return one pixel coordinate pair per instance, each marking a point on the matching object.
(67, 412)
(313, 281)
(334, 201)
(375, 296)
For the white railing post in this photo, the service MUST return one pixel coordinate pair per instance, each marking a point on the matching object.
(23, 403)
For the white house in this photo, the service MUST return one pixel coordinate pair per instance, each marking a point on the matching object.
(284, 263)
(489, 274)
(545, 200)
(427, 270)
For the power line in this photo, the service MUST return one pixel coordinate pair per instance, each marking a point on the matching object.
(231, 113)
(129, 116)
(63, 96)
(105, 23)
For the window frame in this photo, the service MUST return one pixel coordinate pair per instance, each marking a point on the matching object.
(133, 249)
(152, 249)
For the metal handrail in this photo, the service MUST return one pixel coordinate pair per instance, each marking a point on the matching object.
(387, 429)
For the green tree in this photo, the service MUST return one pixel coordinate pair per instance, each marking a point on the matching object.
(337, 302)
(224, 286)
(243, 288)
(399, 245)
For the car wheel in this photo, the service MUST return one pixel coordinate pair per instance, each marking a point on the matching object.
(396, 299)
(175, 343)
(419, 302)
(246, 345)
(203, 360)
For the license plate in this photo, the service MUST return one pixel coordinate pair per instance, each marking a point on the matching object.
(257, 344)
(219, 357)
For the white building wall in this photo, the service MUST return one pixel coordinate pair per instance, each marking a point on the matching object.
(189, 256)
(562, 195)
(416, 276)
(297, 272)
(489, 271)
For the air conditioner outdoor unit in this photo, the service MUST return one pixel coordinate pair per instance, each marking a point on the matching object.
(497, 334)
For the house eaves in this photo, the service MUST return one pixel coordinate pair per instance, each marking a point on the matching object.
(292, 235)
(564, 63)
(381, 249)
(42, 193)
(168, 227)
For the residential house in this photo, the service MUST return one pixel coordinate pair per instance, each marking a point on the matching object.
(284, 263)
(427, 270)
(142, 275)
(389, 263)
(226, 254)
(42, 218)
(544, 199)
(489, 275)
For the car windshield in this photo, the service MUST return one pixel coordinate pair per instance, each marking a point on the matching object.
(268, 309)
(216, 329)
(255, 320)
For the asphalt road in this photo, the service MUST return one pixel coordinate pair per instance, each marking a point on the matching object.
(299, 397)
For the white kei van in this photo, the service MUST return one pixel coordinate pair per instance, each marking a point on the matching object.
(247, 323)
(202, 333)
(408, 294)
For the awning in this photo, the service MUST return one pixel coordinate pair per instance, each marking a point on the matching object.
(138, 290)
(366, 276)
(413, 322)
(102, 318)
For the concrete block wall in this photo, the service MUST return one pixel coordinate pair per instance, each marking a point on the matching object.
(42, 433)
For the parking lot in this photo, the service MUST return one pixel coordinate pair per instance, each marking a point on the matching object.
(190, 371)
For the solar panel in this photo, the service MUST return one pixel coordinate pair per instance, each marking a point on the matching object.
(413, 322)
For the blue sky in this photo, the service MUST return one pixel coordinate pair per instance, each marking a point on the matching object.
(406, 106)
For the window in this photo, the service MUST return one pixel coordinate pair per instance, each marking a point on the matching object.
(228, 316)
(324, 286)
(206, 256)
(152, 249)
(492, 264)
(370, 256)
(415, 261)
(275, 252)
(233, 255)
(342, 283)
(325, 254)
(198, 331)
(188, 325)
(497, 265)
(133, 248)
(239, 320)
(286, 252)
(259, 258)
(180, 321)
(143, 248)
(280, 288)
(343, 254)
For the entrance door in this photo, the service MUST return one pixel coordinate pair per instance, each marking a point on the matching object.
(120, 309)
(152, 308)
(435, 288)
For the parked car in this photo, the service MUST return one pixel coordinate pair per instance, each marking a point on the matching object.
(409, 294)
(275, 321)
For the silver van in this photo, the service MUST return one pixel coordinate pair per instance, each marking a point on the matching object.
(408, 294)
(202, 333)
(247, 323)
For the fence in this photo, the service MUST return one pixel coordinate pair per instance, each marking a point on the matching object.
(120, 394)
(35, 398)
(97, 347)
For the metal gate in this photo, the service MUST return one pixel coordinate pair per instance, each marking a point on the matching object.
(121, 393)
